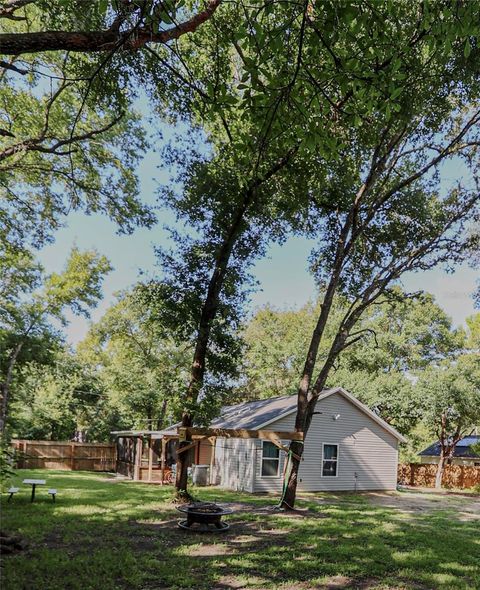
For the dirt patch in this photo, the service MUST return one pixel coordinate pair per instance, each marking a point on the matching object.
(208, 550)
(467, 507)
(270, 510)
(228, 583)
(412, 501)
(245, 539)
(337, 582)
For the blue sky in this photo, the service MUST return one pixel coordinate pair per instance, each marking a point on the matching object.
(284, 280)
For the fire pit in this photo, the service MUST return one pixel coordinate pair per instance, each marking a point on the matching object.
(204, 517)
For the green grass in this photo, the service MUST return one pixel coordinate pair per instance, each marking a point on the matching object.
(115, 535)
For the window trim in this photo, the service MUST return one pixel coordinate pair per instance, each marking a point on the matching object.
(270, 459)
(323, 459)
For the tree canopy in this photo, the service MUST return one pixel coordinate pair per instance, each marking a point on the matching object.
(32, 301)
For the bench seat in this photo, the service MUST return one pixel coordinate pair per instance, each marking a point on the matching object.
(12, 491)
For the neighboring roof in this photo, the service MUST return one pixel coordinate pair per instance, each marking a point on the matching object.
(261, 413)
(462, 448)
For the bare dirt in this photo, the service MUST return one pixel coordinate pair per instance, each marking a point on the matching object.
(466, 507)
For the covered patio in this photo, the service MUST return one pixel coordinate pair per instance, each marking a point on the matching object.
(150, 456)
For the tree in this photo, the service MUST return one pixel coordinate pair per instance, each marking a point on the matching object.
(141, 369)
(264, 142)
(451, 404)
(63, 400)
(69, 137)
(27, 311)
(473, 324)
(106, 27)
(392, 215)
(403, 337)
(61, 151)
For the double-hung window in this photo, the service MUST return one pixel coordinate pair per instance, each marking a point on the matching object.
(329, 460)
(270, 459)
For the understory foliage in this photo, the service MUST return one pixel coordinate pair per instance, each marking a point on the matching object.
(33, 304)
(70, 137)
(409, 348)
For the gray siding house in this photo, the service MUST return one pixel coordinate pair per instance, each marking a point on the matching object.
(348, 447)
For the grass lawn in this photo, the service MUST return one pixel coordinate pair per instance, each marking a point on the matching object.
(106, 534)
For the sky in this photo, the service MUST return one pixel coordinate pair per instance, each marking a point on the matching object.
(283, 277)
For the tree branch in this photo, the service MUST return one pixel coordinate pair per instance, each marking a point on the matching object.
(36, 144)
(99, 41)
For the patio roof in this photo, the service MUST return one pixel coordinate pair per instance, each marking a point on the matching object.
(154, 434)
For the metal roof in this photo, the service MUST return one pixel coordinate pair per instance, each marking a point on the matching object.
(462, 448)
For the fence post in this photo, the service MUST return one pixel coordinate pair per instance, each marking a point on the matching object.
(72, 456)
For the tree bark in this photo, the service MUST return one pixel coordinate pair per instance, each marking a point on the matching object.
(208, 313)
(5, 386)
(99, 41)
(288, 499)
(447, 447)
(305, 407)
(210, 305)
(440, 469)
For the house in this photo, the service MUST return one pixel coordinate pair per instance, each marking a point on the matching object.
(463, 454)
(348, 447)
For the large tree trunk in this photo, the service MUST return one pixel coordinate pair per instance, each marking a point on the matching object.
(5, 387)
(210, 306)
(440, 470)
(290, 493)
(181, 482)
(207, 316)
(447, 448)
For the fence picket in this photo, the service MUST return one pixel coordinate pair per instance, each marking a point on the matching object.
(423, 474)
(41, 454)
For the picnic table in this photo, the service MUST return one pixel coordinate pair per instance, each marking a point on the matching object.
(34, 483)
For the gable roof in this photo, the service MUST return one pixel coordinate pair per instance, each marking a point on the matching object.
(261, 413)
(462, 448)
(353, 400)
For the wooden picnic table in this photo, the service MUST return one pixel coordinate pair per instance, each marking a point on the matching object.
(34, 483)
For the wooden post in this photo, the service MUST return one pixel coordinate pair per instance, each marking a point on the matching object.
(197, 452)
(72, 456)
(212, 457)
(150, 458)
(137, 458)
(162, 459)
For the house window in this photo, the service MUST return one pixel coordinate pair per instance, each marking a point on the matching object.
(270, 459)
(329, 460)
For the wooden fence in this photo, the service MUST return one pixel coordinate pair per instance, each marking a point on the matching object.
(423, 474)
(44, 454)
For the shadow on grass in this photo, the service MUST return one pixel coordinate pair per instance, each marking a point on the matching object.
(114, 535)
